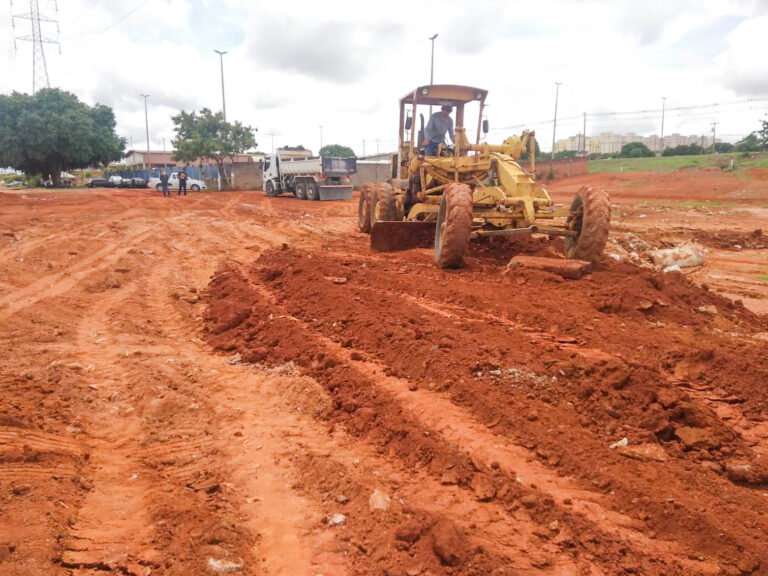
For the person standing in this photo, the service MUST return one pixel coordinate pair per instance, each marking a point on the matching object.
(164, 184)
(182, 182)
(434, 134)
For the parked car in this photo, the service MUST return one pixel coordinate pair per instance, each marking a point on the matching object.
(100, 183)
(16, 184)
(135, 182)
(116, 180)
(173, 183)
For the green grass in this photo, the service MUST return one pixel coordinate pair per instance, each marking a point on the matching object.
(675, 163)
(763, 278)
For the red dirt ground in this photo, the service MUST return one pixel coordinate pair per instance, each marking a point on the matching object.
(206, 384)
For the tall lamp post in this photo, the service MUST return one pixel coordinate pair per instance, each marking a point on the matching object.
(146, 124)
(321, 138)
(223, 101)
(554, 126)
(663, 108)
(432, 67)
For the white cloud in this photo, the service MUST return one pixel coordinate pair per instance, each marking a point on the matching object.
(291, 67)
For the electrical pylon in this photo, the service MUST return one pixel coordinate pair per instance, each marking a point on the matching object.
(39, 67)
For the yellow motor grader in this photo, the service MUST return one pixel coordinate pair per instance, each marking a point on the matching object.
(471, 190)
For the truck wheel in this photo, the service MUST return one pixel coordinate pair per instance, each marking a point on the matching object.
(590, 218)
(313, 192)
(301, 191)
(270, 188)
(364, 208)
(454, 226)
(383, 206)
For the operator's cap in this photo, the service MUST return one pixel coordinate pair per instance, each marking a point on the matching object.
(447, 108)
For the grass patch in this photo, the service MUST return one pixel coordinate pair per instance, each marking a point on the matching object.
(763, 278)
(674, 163)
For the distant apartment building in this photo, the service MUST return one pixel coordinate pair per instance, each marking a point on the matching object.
(610, 143)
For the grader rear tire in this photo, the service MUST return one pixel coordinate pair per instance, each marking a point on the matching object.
(590, 218)
(454, 226)
(383, 205)
(364, 209)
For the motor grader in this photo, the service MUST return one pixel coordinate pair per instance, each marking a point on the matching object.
(471, 190)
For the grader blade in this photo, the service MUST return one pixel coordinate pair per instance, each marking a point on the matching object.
(392, 236)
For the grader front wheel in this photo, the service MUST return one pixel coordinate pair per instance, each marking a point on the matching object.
(454, 226)
(364, 208)
(383, 205)
(590, 218)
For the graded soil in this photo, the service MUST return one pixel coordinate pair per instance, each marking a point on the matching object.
(231, 383)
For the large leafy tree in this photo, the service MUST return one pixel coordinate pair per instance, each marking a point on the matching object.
(635, 150)
(207, 135)
(337, 151)
(52, 131)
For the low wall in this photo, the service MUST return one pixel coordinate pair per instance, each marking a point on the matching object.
(370, 172)
(560, 168)
(247, 176)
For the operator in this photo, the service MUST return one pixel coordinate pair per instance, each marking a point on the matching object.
(439, 123)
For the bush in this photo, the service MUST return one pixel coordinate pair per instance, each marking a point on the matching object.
(635, 150)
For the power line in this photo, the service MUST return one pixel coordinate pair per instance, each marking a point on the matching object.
(115, 23)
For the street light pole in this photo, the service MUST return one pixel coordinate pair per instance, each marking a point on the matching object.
(146, 124)
(663, 108)
(321, 138)
(223, 100)
(432, 67)
(554, 126)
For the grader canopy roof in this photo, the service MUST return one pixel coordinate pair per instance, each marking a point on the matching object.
(442, 94)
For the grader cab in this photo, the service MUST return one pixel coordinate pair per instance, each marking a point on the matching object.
(471, 190)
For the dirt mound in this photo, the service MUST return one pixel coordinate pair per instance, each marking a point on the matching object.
(731, 240)
(566, 368)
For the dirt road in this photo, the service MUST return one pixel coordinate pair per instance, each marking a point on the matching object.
(227, 383)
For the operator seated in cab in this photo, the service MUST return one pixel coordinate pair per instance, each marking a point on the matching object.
(434, 134)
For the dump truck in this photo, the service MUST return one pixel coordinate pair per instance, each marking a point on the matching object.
(471, 190)
(308, 177)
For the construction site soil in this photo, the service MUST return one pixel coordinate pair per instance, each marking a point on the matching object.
(231, 383)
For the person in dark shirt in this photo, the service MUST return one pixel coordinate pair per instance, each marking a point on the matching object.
(439, 123)
(164, 184)
(182, 182)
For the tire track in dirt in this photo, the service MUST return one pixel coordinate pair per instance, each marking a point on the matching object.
(60, 283)
(271, 510)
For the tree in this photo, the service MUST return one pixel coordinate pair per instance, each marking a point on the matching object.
(207, 135)
(337, 150)
(635, 150)
(52, 131)
(683, 150)
(750, 143)
(526, 153)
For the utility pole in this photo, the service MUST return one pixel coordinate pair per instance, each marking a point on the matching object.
(584, 131)
(223, 101)
(272, 135)
(554, 126)
(663, 108)
(146, 123)
(321, 138)
(165, 163)
(714, 133)
(432, 67)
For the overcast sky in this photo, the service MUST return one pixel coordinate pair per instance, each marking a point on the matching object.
(293, 66)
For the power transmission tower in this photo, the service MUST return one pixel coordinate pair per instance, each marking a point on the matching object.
(39, 67)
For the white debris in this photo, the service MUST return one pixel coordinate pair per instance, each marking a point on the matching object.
(684, 256)
(620, 444)
(337, 520)
(224, 566)
(378, 500)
